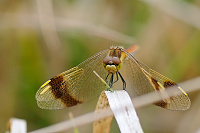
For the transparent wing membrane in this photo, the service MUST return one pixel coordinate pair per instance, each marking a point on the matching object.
(77, 85)
(144, 80)
(80, 84)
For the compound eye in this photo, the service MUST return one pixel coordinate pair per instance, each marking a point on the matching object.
(106, 60)
(116, 60)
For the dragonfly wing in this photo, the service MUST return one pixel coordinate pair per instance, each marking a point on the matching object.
(139, 81)
(73, 86)
(145, 80)
(90, 86)
(177, 102)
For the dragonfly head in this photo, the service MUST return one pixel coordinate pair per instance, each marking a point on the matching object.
(112, 64)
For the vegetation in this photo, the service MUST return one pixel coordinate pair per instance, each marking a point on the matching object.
(41, 38)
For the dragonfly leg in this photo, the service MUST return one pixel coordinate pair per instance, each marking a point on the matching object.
(111, 81)
(124, 83)
(107, 77)
(116, 77)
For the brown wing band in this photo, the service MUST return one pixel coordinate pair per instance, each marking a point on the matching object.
(166, 85)
(155, 82)
(169, 84)
(61, 92)
(160, 103)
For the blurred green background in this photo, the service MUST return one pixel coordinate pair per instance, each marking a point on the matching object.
(41, 38)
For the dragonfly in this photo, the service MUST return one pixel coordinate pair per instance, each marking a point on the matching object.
(79, 84)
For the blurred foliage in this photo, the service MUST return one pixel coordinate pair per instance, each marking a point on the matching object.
(167, 45)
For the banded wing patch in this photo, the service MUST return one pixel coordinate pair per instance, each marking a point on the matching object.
(144, 80)
(73, 86)
(56, 94)
(180, 101)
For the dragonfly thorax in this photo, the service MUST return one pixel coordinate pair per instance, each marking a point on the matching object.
(112, 64)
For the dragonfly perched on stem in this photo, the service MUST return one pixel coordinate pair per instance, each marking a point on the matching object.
(80, 84)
